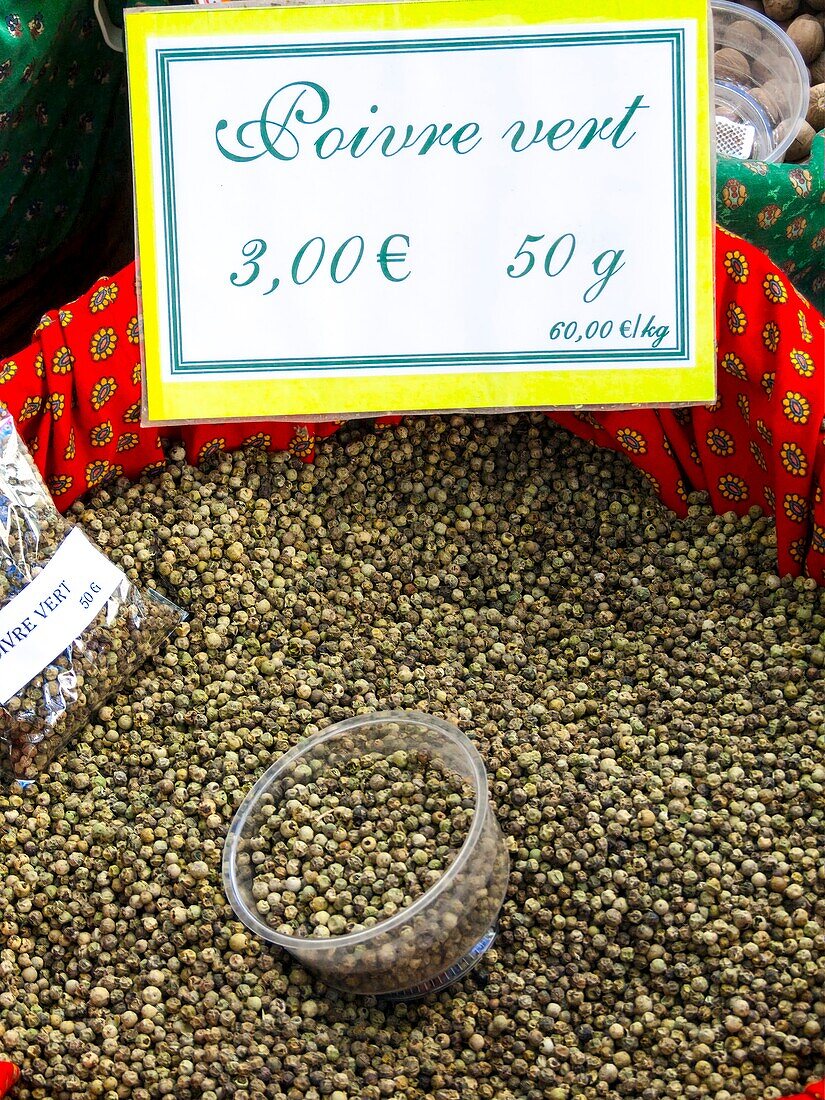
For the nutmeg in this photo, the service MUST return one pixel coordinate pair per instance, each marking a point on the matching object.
(781, 9)
(808, 37)
(730, 64)
(743, 33)
(800, 147)
(767, 97)
(816, 107)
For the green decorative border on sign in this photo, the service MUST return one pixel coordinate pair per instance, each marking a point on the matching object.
(166, 58)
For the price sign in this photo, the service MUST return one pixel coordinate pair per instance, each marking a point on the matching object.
(428, 206)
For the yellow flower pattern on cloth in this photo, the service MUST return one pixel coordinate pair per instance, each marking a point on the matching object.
(797, 552)
(103, 297)
(765, 432)
(651, 480)
(103, 344)
(803, 363)
(97, 471)
(736, 266)
(632, 441)
(796, 407)
(733, 487)
(737, 321)
(56, 404)
(720, 441)
(62, 361)
(103, 391)
(102, 434)
(259, 439)
(128, 441)
(770, 336)
(30, 408)
(796, 507)
(794, 459)
(211, 448)
(758, 455)
(60, 484)
(734, 365)
(302, 443)
(8, 370)
(775, 289)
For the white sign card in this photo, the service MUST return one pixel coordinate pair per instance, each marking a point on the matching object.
(341, 214)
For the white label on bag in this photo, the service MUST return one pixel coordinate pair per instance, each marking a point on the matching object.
(53, 610)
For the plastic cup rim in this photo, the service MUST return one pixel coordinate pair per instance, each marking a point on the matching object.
(307, 944)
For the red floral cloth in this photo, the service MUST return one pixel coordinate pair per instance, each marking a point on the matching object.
(9, 1075)
(75, 392)
(812, 1092)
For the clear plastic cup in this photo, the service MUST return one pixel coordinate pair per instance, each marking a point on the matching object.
(439, 937)
(761, 84)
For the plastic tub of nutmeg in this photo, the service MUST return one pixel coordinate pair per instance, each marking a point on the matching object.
(371, 853)
(761, 84)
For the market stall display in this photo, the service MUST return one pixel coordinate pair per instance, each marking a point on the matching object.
(638, 656)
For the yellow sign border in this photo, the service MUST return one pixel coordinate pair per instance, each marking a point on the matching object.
(245, 398)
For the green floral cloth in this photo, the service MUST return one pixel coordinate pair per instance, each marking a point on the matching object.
(781, 209)
(63, 127)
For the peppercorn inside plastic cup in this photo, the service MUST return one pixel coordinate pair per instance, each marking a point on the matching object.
(442, 934)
